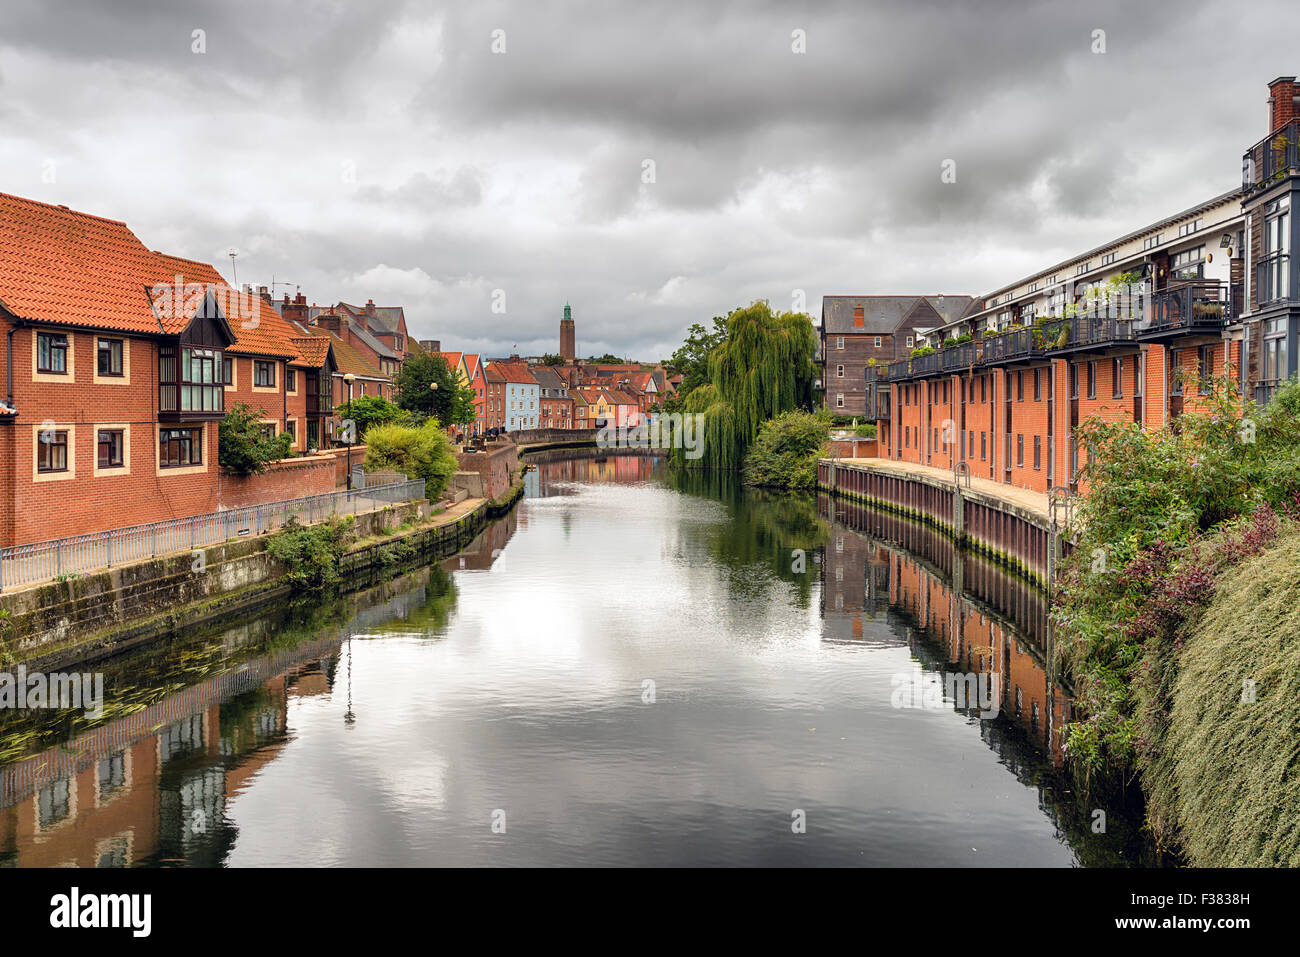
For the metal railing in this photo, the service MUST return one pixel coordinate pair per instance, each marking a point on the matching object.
(959, 357)
(94, 551)
(1271, 159)
(1196, 305)
(1015, 344)
(1081, 331)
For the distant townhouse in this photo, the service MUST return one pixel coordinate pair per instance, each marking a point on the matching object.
(518, 394)
(478, 385)
(553, 394)
(385, 323)
(861, 331)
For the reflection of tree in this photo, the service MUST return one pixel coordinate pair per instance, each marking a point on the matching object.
(764, 530)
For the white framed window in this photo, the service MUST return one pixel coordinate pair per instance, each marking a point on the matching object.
(839, 342)
(878, 341)
(910, 341)
(1151, 242)
(839, 372)
(839, 400)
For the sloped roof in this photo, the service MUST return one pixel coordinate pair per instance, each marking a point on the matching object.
(313, 350)
(516, 372)
(473, 365)
(548, 378)
(60, 265)
(452, 359)
(259, 329)
(385, 318)
(348, 359)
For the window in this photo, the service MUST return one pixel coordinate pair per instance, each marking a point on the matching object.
(910, 340)
(110, 357)
(52, 353)
(291, 380)
(1038, 451)
(983, 385)
(1107, 259)
(263, 374)
(839, 342)
(1082, 268)
(1204, 362)
(1038, 386)
(1175, 372)
(1189, 264)
(1092, 379)
(983, 445)
(109, 442)
(1020, 387)
(227, 371)
(839, 372)
(291, 427)
(1033, 287)
(1186, 229)
(1020, 449)
(198, 388)
(1074, 381)
(52, 451)
(878, 342)
(1151, 242)
(1117, 374)
(839, 400)
(268, 430)
(179, 447)
(1139, 365)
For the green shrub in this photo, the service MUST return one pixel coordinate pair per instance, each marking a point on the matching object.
(424, 452)
(243, 447)
(785, 452)
(311, 553)
(370, 410)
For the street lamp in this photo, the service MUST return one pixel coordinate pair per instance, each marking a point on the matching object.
(347, 433)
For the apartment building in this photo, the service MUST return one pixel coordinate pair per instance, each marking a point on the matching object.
(556, 403)
(857, 332)
(513, 395)
(1131, 330)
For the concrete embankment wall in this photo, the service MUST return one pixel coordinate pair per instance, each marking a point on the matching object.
(1005, 531)
(61, 624)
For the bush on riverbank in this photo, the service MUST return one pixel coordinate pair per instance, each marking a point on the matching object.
(1172, 518)
(1222, 783)
(785, 453)
(424, 452)
(312, 553)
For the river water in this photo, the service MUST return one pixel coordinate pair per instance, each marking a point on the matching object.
(635, 667)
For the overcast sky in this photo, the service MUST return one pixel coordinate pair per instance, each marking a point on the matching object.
(384, 150)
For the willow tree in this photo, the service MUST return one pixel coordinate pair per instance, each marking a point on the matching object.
(764, 366)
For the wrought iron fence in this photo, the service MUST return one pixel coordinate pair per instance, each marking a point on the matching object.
(94, 551)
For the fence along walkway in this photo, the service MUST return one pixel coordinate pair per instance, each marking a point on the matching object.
(94, 551)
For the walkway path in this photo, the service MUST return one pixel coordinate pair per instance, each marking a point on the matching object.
(1035, 502)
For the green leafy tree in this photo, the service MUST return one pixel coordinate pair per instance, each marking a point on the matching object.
(243, 445)
(765, 366)
(414, 386)
(691, 360)
(424, 452)
(551, 359)
(785, 453)
(370, 410)
(606, 359)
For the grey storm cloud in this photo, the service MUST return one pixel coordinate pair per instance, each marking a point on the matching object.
(385, 151)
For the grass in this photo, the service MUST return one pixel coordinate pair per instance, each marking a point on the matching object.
(1224, 783)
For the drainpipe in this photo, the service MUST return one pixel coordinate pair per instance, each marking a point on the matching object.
(9, 368)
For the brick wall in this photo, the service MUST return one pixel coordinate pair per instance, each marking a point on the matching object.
(292, 478)
(496, 466)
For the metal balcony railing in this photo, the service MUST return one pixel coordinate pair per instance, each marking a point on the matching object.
(1193, 307)
(1014, 344)
(1273, 279)
(1271, 160)
(959, 357)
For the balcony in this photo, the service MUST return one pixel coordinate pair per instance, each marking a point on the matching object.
(1273, 279)
(878, 405)
(960, 358)
(1196, 308)
(920, 367)
(1271, 160)
(1092, 333)
(1015, 345)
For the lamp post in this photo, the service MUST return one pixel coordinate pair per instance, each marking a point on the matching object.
(347, 433)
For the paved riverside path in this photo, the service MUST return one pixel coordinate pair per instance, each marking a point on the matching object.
(1035, 502)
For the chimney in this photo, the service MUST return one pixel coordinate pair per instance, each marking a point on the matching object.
(328, 320)
(370, 307)
(1281, 103)
(431, 345)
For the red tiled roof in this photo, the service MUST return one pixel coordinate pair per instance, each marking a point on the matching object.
(59, 265)
(312, 349)
(349, 359)
(514, 372)
(453, 359)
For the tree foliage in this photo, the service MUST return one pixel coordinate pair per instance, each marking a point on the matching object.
(785, 453)
(451, 402)
(369, 410)
(424, 452)
(243, 446)
(691, 360)
(765, 366)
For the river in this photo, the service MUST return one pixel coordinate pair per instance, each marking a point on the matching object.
(635, 667)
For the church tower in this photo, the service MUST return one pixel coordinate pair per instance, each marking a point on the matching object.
(568, 345)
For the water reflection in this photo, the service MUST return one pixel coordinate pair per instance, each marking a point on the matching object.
(637, 666)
